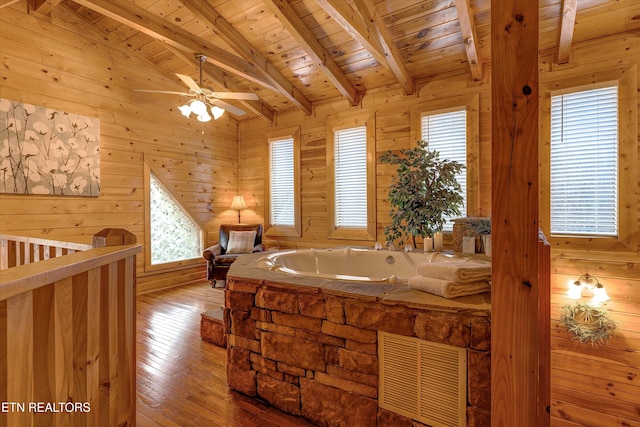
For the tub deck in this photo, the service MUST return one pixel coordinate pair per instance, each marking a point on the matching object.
(309, 347)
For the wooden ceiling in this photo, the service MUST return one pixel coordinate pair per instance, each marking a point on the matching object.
(295, 53)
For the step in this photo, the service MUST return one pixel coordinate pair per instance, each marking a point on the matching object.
(212, 327)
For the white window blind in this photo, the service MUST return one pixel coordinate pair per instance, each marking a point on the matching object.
(584, 163)
(350, 166)
(281, 182)
(447, 133)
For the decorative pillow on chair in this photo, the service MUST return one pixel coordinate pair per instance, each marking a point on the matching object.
(241, 242)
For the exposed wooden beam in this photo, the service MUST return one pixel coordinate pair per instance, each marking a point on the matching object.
(4, 3)
(569, 9)
(292, 22)
(43, 6)
(214, 73)
(468, 29)
(394, 59)
(137, 18)
(353, 23)
(515, 286)
(206, 12)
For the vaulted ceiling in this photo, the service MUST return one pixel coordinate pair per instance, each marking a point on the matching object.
(295, 53)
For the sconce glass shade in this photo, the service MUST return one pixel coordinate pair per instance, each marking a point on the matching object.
(599, 294)
(575, 290)
(217, 112)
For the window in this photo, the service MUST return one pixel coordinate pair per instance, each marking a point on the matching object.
(595, 113)
(283, 181)
(281, 186)
(351, 171)
(584, 166)
(350, 163)
(174, 235)
(447, 133)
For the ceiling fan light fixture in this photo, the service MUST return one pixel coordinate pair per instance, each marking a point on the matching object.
(198, 107)
(217, 112)
(185, 110)
(204, 117)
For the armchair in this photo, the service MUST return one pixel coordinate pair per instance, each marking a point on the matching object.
(234, 240)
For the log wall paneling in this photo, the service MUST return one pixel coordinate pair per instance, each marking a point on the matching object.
(63, 63)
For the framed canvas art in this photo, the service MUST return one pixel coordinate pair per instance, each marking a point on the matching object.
(45, 151)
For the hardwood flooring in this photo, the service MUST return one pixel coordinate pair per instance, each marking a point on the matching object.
(181, 380)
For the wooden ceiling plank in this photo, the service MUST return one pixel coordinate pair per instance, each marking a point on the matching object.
(205, 11)
(569, 9)
(217, 76)
(468, 29)
(394, 58)
(292, 22)
(128, 13)
(351, 21)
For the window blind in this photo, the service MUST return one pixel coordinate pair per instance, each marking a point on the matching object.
(447, 133)
(584, 163)
(350, 169)
(281, 182)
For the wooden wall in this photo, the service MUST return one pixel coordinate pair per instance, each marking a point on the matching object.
(393, 130)
(60, 62)
(590, 386)
(599, 386)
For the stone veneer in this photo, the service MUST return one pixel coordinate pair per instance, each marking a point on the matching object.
(310, 348)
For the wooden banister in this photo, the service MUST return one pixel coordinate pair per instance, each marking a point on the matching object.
(67, 338)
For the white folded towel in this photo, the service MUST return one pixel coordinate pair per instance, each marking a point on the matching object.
(460, 272)
(447, 288)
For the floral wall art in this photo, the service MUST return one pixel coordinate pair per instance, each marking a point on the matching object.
(45, 151)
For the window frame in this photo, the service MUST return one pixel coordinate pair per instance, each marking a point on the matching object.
(471, 104)
(334, 124)
(626, 79)
(172, 265)
(296, 229)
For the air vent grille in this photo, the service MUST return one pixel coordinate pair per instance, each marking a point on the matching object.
(422, 380)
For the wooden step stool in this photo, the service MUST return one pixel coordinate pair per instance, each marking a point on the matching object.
(212, 327)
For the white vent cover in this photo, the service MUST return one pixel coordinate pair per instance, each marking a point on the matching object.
(423, 380)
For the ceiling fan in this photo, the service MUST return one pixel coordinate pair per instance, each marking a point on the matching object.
(205, 99)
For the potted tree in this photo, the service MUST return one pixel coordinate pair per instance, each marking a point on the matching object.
(422, 194)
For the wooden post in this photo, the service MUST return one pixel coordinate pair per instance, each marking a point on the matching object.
(514, 157)
(113, 237)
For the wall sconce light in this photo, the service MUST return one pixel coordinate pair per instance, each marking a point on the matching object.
(586, 282)
(238, 204)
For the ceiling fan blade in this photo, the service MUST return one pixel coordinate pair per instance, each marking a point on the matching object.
(230, 108)
(189, 82)
(162, 91)
(234, 95)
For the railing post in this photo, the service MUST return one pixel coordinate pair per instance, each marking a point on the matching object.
(113, 237)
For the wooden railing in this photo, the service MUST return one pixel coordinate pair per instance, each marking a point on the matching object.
(67, 332)
(18, 250)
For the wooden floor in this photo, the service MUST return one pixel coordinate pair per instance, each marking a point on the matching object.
(181, 380)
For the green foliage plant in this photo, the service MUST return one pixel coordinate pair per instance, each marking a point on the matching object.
(422, 194)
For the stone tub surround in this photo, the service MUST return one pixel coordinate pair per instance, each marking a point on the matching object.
(308, 346)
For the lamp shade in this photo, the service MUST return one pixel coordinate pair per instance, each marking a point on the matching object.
(238, 203)
(217, 112)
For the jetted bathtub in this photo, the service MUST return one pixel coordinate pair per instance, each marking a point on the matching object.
(356, 264)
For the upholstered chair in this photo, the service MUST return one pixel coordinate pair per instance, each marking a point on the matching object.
(234, 240)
